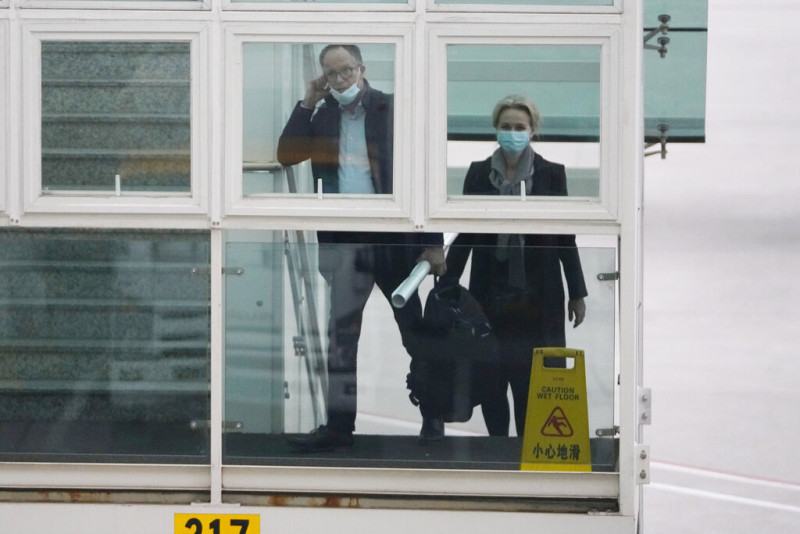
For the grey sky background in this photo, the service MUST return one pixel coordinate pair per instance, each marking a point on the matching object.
(722, 288)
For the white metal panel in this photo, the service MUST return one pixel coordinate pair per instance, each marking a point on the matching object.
(630, 153)
(101, 519)
(430, 482)
(103, 476)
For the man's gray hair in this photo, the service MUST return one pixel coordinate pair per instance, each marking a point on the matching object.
(353, 50)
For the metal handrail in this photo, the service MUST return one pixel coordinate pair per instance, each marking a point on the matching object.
(261, 166)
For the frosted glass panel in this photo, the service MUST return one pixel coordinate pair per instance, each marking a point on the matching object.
(104, 346)
(116, 109)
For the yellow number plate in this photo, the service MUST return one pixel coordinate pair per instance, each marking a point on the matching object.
(217, 524)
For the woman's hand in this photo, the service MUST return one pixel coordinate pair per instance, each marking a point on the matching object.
(577, 309)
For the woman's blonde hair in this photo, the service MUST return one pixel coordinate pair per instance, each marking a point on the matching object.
(522, 103)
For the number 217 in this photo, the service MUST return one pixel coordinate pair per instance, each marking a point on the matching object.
(217, 526)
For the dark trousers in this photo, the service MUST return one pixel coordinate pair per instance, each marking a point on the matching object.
(520, 324)
(352, 270)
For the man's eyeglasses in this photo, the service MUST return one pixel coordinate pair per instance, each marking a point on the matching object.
(345, 73)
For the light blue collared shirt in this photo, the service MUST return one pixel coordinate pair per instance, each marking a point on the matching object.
(355, 176)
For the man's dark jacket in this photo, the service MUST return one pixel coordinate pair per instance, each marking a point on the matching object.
(316, 135)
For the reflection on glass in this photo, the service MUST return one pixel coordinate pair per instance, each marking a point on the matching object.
(562, 81)
(277, 345)
(116, 116)
(105, 346)
(675, 89)
(328, 116)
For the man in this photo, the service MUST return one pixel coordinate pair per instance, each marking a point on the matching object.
(349, 140)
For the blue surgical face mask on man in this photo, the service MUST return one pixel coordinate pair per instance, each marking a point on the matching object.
(513, 142)
(347, 96)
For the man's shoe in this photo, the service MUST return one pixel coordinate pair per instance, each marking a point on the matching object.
(322, 439)
(432, 430)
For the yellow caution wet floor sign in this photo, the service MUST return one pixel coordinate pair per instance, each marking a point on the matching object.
(557, 421)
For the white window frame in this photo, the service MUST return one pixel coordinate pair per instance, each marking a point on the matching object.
(343, 5)
(195, 202)
(293, 206)
(430, 482)
(5, 170)
(149, 5)
(601, 208)
(433, 7)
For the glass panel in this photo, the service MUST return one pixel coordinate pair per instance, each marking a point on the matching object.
(675, 84)
(278, 130)
(563, 82)
(104, 352)
(684, 14)
(116, 109)
(299, 311)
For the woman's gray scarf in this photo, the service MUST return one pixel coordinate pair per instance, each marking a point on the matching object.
(497, 176)
(511, 246)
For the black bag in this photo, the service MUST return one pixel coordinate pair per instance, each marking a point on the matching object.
(456, 364)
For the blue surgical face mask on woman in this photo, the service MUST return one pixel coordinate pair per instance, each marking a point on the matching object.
(348, 95)
(512, 141)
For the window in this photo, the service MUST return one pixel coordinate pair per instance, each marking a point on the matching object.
(567, 79)
(116, 117)
(276, 76)
(563, 82)
(288, 154)
(119, 127)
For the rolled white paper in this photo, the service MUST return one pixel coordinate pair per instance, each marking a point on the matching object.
(410, 284)
(117, 185)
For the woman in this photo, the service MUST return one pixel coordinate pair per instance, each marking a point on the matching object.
(517, 278)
